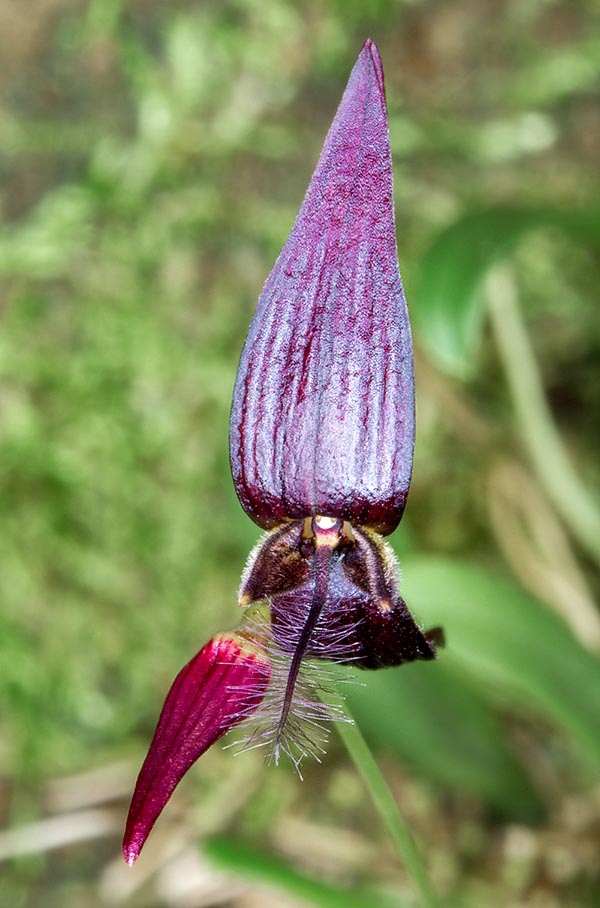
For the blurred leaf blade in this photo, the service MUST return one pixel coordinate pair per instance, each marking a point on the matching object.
(450, 313)
(507, 640)
(431, 718)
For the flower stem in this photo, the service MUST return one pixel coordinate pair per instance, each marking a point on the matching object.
(385, 804)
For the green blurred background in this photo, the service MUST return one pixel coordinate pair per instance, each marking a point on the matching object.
(153, 156)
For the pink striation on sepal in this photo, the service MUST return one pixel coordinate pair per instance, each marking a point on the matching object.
(323, 410)
(222, 685)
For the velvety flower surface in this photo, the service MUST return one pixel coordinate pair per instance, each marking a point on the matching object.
(323, 410)
(322, 432)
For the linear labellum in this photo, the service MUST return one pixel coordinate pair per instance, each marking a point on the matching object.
(321, 445)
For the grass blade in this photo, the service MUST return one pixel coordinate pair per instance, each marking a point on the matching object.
(259, 866)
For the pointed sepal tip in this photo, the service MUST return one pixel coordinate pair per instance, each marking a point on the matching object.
(222, 685)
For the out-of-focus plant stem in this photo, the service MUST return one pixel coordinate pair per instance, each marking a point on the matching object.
(385, 805)
(571, 499)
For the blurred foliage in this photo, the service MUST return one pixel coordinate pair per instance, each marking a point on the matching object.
(153, 157)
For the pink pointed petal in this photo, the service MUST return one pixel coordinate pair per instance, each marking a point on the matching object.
(323, 410)
(222, 684)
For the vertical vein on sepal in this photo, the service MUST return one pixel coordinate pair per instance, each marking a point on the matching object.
(323, 416)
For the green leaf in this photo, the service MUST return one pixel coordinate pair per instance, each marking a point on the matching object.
(450, 313)
(511, 645)
(252, 864)
(434, 720)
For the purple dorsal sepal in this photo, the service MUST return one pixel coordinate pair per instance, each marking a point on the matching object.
(323, 410)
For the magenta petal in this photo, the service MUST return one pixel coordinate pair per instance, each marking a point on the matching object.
(222, 684)
(323, 409)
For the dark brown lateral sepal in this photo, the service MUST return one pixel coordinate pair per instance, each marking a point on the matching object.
(363, 619)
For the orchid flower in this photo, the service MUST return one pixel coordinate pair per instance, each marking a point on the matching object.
(321, 444)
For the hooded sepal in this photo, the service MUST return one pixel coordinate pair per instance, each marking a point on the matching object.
(323, 409)
(222, 685)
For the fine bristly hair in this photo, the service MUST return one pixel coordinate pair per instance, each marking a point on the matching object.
(300, 728)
